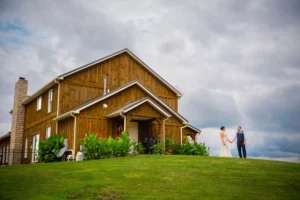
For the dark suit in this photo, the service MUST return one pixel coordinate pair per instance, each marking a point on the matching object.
(240, 143)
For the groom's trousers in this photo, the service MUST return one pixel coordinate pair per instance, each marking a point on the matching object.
(241, 147)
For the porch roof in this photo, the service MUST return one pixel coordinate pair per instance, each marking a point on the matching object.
(116, 91)
(136, 104)
(6, 135)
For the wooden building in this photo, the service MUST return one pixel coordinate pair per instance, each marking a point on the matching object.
(4, 148)
(113, 94)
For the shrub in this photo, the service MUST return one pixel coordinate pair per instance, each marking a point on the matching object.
(96, 148)
(168, 143)
(193, 149)
(137, 147)
(189, 149)
(123, 144)
(176, 148)
(50, 147)
(158, 148)
(92, 148)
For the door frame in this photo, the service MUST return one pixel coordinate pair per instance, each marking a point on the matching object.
(33, 146)
(136, 128)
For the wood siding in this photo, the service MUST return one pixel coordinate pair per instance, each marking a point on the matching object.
(146, 110)
(95, 118)
(34, 117)
(36, 129)
(66, 127)
(188, 131)
(88, 84)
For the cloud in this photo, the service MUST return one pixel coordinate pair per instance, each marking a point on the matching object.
(236, 62)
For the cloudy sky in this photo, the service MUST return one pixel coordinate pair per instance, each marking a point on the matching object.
(236, 62)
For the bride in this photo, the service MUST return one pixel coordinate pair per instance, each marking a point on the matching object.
(225, 152)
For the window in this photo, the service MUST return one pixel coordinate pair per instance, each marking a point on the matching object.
(26, 148)
(50, 99)
(6, 156)
(39, 103)
(48, 132)
(35, 147)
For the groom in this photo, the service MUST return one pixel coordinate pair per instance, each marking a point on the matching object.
(241, 141)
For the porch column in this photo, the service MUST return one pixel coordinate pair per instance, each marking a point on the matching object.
(161, 131)
(128, 120)
(164, 131)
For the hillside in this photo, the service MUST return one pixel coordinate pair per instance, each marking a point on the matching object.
(153, 177)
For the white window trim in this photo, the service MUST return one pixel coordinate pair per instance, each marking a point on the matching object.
(48, 132)
(39, 103)
(37, 136)
(26, 148)
(50, 100)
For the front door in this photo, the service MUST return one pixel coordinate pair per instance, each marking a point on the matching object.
(35, 147)
(134, 131)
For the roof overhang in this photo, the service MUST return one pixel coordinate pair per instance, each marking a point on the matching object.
(62, 76)
(41, 91)
(113, 92)
(6, 135)
(131, 106)
(134, 57)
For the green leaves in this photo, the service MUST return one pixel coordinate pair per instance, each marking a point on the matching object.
(50, 147)
(97, 148)
(158, 148)
(137, 147)
(190, 149)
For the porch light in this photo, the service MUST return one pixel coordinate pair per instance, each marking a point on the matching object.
(105, 106)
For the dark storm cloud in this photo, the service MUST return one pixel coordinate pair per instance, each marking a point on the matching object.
(210, 109)
(277, 111)
(236, 62)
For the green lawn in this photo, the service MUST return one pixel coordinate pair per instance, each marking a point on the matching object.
(153, 177)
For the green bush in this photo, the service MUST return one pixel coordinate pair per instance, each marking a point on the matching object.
(168, 143)
(123, 144)
(137, 147)
(190, 149)
(176, 148)
(158, 148)
(50, 147)
(193, 149)
(92, 148)
(96, 148)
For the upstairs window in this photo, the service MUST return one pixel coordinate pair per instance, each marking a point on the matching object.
(48, 132)
(39, 104)
(50, 99)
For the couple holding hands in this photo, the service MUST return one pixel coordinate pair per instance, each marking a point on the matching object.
(241, 143)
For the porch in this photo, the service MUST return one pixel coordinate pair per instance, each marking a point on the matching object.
(141, 119)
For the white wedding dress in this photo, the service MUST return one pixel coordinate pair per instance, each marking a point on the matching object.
(225, 151)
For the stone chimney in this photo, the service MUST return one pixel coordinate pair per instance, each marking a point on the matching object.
(17, 126)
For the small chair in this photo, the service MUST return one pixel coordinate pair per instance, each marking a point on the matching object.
(69, 154)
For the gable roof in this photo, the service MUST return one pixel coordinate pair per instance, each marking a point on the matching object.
(116, 54)
(137, 103)
(193, 128)
(62, 76)
(113, 92)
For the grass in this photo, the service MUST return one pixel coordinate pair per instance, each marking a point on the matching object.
(153, 177)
